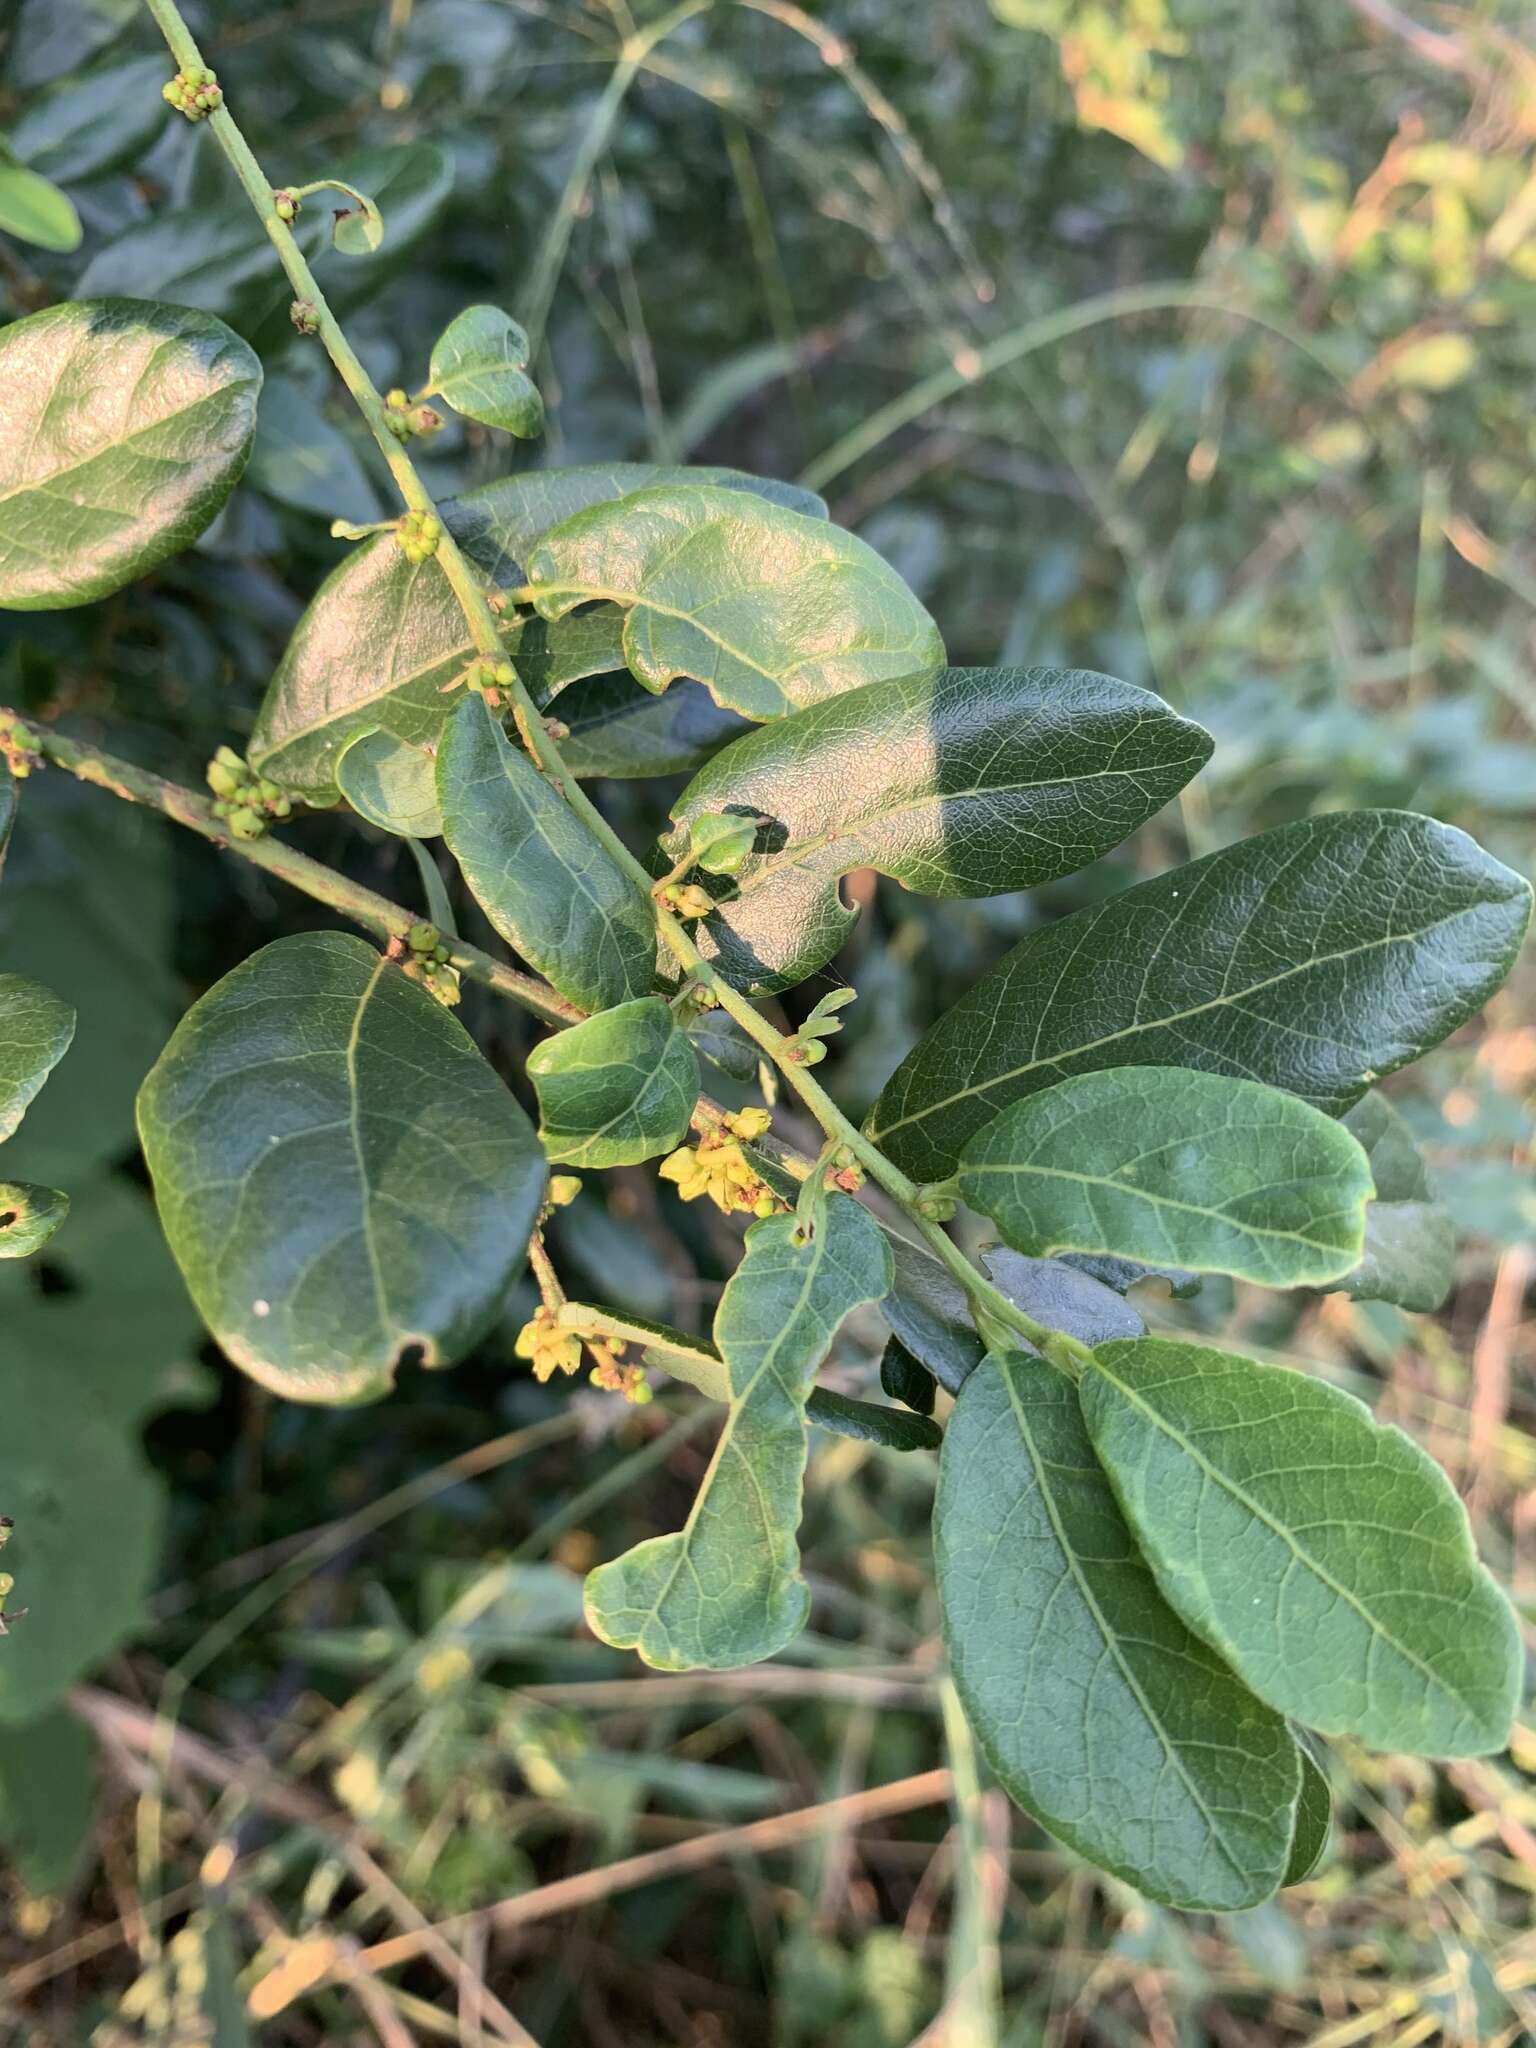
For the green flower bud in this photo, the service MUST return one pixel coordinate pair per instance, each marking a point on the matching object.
(304, 316)
(422, 937)
(246, 823)
(221, 780)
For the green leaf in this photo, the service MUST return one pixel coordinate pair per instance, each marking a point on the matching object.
(126, 426)
(1101, 1714)
(301, 459)
(83, 1552)
(1163, 1164)
(1314, 958)
(617, 1089)
(1314, 1820)
(35, 211)
(358, 229)
(726, 1588)
(479, 366)
(47, 1789)
(36, 1028)
(392, 785)
(543, 878)
(8, 808)
(871, 1422)
(617, 729)
(1410, 1240)
(219, 258)
(551, 654)
(344, 1182)
(966, 783)
(719, 586)
(1322, 1554)
(28, 1217)
(382, 636)
(93, 122)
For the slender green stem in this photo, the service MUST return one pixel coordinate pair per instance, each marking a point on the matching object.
(485, 630)
(375, 913)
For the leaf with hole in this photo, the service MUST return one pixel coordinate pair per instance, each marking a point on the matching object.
(966, 783)
(1321, 1553)
(1101, 1713)
(1314, 958)
(1168, 1165)
(28, 1217)
(480, 367)
(726, 1589)
(382, 636)
(1410, 1241)
(392, 785)
(344, 1182)
(617, 1089)
(125, 429)
(538, 871)
(769, 609)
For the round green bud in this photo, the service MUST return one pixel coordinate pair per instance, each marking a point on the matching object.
(246, 823)
(422, 937)
(222, 780)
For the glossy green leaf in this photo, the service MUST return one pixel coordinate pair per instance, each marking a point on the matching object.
(126, 426)
(47, 1798)
(1314, 1820)
(28, 1217)
(538, 871)
(36, 1027)
(966, 783)
(1100, 1712)
(1410, 1240)
(1314, 958)
(344, 1182)
(619, 729)
(35, 211)
(392, 785)
(726, 1588)
(94, 121)
(617, 1089)
(480, 367)
(1322, 1554)
(871, 1422)
(769, 609)
(382, 636)
(551, 654)
(1164, 1164)
(218, 257)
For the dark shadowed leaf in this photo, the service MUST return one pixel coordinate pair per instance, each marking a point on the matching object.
(871, 1422)
(1314, 958)
(966, 783)
(1314, 1819)
(93, 121)
(126, 426)
(1103, 1716)
(345, 1183)
(538, 871)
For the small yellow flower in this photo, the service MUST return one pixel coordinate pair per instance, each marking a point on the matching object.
(546, 1346)
(749, 1123)
(718, 1167)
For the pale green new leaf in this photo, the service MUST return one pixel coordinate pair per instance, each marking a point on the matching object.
(480, 367)
(392, 785)
(538, 871)
(769, 609)
(1314, 958)
(345, 1184)
(125, 427)
(1169, 1166)
(966, 783)
(36, 1027)
(382, 636)
(1100, 1712)
(1410, 1240)
(35, 211)
(1322, 1554)
(28, 1217)
(617, 1089)
(726, 1589)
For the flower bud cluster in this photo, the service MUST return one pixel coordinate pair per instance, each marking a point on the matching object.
(17, 750)
(194, 92)
(418, 535)
(409, 422)
(426, 960)
(685, 899)
(246, 801)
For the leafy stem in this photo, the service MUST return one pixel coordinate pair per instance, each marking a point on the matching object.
(485, 631)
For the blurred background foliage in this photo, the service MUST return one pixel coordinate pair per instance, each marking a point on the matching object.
(1185, 339)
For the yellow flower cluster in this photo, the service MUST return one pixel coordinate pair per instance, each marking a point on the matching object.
(718, 1167)
(546, 1346)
